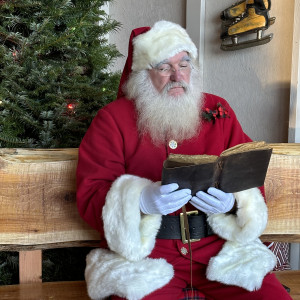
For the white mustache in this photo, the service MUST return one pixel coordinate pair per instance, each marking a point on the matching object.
(171, 85)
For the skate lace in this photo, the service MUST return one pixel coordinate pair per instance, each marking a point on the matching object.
(239, 18)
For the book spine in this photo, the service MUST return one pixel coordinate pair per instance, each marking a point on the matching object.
(217, 172)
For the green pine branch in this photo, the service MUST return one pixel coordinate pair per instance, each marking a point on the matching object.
(53, 52)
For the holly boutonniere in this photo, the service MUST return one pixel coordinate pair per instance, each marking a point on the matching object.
(219, 113)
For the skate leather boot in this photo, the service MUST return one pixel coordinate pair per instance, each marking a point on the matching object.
(239, 8)
(234, 11)
(255, 19)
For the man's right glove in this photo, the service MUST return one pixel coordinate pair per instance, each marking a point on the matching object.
(163, 199)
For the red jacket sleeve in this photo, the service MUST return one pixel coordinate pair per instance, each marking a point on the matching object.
(99, 164)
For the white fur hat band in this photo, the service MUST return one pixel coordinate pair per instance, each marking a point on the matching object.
(164, 40)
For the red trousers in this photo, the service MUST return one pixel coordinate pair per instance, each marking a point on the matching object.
(211, 290)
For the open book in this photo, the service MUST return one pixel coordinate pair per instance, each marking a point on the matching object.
(238, 168)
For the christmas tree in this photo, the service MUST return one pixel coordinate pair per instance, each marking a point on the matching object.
(54, 70)
(54, 77)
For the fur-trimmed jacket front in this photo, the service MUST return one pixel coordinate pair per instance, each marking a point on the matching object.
(114, 165)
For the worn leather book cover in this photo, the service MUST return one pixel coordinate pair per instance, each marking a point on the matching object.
(238, 168)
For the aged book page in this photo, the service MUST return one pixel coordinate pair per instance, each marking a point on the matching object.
(238, 168)
(183, 159)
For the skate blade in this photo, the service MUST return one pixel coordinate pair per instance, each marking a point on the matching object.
(247, 44)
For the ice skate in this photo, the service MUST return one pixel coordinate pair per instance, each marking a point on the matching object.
(254, 20)
(239, 9)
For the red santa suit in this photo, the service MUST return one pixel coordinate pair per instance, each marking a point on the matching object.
(115, 164)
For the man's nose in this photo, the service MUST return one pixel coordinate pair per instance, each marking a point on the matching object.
(176, 75)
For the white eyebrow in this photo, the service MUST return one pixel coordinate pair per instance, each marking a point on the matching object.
(166, 61)
(185, 58)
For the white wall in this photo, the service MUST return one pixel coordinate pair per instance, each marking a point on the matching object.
(255, 81)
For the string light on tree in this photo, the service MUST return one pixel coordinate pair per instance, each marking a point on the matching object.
(15, 54)
(71, 106)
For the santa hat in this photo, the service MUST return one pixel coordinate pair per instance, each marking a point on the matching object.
(149, 46)
(164, 40)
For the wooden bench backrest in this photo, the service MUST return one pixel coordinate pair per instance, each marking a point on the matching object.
(282, 188)
(38, 203)
(38, 198)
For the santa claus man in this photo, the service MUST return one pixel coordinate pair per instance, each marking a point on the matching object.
(159, 111)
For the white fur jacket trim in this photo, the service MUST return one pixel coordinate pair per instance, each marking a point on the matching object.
(249, 221)
(244, 265)
(126, 270)
(127, 231)
(244, 260)
(107, 273)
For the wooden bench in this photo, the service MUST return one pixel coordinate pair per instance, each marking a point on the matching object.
(282, 187)
(38, 211)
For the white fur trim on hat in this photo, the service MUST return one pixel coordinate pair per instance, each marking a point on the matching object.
(164, 40)
(249, 221)
(107, 273)
(127, 231)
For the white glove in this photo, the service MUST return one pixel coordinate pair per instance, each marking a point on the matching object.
(215, 202)
(163, 199)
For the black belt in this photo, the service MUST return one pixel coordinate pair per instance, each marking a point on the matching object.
(172, 227)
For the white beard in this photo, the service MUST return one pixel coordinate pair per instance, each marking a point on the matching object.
(163, 116)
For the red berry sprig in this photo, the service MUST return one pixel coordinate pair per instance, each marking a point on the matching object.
(218, 113)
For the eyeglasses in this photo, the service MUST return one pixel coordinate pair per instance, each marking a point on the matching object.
(184, 67)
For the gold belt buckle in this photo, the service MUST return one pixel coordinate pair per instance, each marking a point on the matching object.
(183, 229)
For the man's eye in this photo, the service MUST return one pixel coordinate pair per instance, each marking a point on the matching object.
(184, 66)
(164, 68)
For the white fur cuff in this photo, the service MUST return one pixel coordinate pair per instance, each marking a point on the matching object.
(242, 265)
(107, 273)
(127, 232)
(249, 221)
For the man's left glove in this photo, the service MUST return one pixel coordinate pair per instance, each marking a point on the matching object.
(214, 201)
